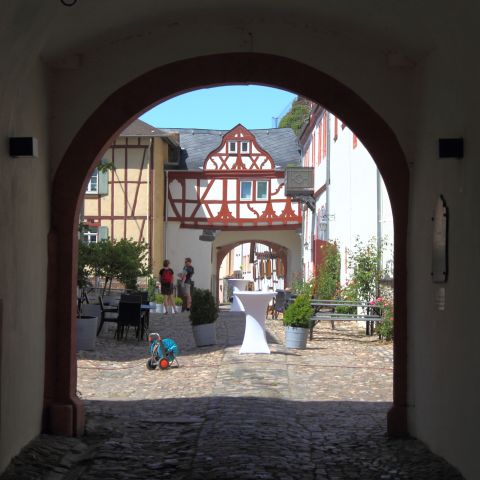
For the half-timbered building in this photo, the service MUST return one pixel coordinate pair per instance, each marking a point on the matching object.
(127, 200)
(231, 191)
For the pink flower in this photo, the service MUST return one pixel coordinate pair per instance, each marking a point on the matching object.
(372, 302)
(379, 299)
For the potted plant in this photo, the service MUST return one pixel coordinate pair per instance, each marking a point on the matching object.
(178, 304)
(152, 290)
(159, 301)
(297, 321)
(203, 314)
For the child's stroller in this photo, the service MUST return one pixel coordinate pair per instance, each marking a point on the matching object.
(163, 352)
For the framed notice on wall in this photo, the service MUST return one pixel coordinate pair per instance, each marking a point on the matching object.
(440, 242)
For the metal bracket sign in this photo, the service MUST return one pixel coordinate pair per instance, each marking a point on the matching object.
(440, 242)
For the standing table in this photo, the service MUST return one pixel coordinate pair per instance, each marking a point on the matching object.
(238, 285)
(255, 306)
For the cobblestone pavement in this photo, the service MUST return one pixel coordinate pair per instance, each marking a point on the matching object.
(318, 413)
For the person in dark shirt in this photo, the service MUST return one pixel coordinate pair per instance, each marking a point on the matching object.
(188, 271)
(166, 286)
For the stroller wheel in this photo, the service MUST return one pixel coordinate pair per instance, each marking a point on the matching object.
(164, 364)
(151, 365)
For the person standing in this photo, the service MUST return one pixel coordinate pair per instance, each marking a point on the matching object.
(187, 274)
(166, 286)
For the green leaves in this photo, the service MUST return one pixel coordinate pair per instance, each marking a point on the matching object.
(327, 280)
(298, 314)
(203, 309)
(124, 260)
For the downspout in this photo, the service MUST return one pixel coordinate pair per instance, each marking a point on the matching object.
(166, 205)
(327, 181)
(379, 224)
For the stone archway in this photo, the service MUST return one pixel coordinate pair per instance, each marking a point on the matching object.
(63, 410)
(222, 251)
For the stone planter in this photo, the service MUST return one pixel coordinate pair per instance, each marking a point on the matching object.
(159, 308)
(204, 334)
(296, 337)
(86, 332)
(178, 308)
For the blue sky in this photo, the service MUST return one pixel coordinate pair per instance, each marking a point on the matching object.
(222, 108)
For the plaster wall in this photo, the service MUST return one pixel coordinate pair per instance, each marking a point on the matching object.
(353, 198)
(183, 242)
(422, 80)
(24, 209)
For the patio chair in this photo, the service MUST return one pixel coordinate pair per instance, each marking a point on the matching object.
(280, 303)
(129, 315)
(107, 314)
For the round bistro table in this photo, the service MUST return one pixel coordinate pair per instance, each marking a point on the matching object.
(238, 285)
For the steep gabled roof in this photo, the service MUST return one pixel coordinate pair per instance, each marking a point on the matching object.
(196, 144)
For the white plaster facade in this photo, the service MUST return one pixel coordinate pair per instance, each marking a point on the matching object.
(351, 201)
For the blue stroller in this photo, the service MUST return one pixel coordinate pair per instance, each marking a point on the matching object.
(163, 352)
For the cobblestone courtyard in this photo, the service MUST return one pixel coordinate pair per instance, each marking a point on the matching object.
(318, 413)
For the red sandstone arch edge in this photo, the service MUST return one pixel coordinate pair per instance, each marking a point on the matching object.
(63, 411)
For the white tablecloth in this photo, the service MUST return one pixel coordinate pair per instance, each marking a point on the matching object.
(255, 306)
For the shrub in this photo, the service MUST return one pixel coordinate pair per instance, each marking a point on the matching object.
(385, 328)
(298, 313)
(158, 298)
(178, 301)
(203, 309)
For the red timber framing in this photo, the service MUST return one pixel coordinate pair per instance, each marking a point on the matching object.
(213, 197)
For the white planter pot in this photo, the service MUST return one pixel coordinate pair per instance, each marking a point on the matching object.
(86, 332)
(159, 308)
(204, 334)
(178, 308)
(296, 337)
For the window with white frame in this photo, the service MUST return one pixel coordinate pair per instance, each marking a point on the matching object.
(245, 147)
(232, 147)
(246, 190)
(262, 190)
(92, 186)
(90, 235)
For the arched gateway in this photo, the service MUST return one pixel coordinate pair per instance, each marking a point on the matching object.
(64, 412)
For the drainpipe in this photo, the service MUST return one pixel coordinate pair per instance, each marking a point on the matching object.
(379, 222)
(327, 181)
(166, 215)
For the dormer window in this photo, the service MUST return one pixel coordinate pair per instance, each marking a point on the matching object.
(232, 147)
(245, 147)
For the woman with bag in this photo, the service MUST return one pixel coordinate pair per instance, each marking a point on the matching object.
(166, 286)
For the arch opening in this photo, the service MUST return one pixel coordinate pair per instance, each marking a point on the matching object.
(64, 411)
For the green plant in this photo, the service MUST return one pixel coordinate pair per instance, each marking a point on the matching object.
(327, 279)
(158, 298)
(151, 288)
(366, 274)
(203, 309)
(125, 260)
(301, 286)
(385, 328)
(297, 116)
(178, 301)
(298, 314)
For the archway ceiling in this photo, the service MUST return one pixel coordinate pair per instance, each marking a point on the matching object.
(408, 27)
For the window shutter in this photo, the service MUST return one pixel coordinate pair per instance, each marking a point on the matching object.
(103, 183)
(102, 233)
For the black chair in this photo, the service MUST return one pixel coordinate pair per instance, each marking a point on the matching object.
(108, 314)
(129, 315)
(280, 303)
(131, 298)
